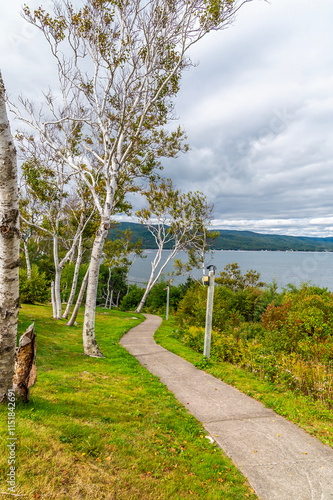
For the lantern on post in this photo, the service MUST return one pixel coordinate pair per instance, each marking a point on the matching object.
(205, 280)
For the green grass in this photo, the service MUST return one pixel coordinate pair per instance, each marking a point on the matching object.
(107, 428)
(313, 416)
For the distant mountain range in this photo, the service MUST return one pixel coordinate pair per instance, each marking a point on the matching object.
(239, 240)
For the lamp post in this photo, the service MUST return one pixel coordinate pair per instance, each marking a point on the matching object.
(167, 304)
(167, 301)
(209, 280)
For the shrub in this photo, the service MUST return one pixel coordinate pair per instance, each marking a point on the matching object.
(223, 346)
(268, 296)
(132, 299)
(192, 308)
(34, 290)
(228, 348)
(194, 338)
(230, 307)
(157, 297)
(303, 321)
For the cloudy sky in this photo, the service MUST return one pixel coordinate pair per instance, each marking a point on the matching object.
(258, 111)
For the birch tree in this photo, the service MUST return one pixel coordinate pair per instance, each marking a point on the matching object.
(47, 184)
(200, 245)
(81, 219)
(175, 220)
(9, 250)
(119, 65)
(78, 262)
(79, 300)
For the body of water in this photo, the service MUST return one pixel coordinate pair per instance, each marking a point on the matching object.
(285, 267)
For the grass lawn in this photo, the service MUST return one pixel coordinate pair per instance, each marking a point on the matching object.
(313, 416)
(107, 428)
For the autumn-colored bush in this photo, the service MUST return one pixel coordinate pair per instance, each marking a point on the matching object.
(288, 370)
(303, 323)
(291, 344)
(224, 347)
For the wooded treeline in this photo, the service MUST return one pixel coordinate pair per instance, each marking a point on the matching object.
(240, 240)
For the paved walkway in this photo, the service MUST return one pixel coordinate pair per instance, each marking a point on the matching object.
(280, 460)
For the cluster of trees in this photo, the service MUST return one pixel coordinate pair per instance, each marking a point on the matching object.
(103, 132)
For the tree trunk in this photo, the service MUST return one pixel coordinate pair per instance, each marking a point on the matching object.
(9, 251)
(75, 279)
(27, 259)
(154, 266)
(57, 278)
(53, 300)
(108, 290)
(79, 299)
(144, 298)
(25, 365)
(89, 342)
(57, 295)
(152, 281)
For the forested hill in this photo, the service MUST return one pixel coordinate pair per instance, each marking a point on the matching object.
(239, 240)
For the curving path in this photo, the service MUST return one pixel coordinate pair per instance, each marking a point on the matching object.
(280, 460)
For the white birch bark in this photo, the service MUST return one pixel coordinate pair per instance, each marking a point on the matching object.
(90, 346)
(27, 258)
(79, 299)
(59, 265)
(57, 278)
(57, 296)
(152, 281)
(75, 279)
(9, 250)
(54, 309)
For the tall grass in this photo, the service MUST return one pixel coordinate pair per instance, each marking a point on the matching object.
(310, 377)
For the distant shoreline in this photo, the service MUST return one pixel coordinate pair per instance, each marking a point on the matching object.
(246, 250)
(231, 240)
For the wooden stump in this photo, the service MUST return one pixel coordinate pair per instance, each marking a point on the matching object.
(25, 374)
